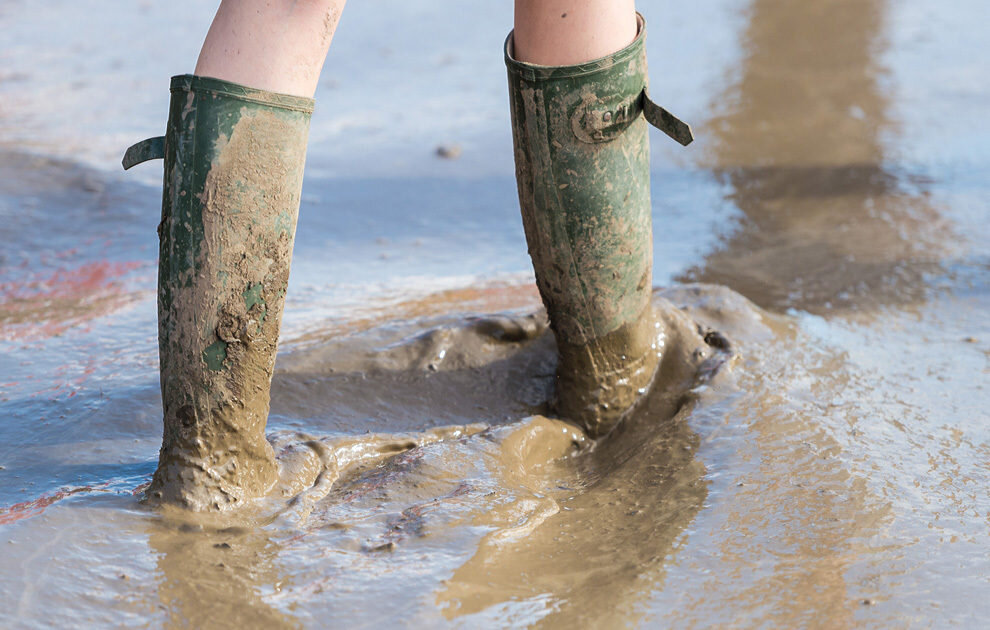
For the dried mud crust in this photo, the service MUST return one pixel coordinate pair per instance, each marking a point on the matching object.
(219, 335)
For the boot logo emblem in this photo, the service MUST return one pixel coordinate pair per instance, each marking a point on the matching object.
(602, 119)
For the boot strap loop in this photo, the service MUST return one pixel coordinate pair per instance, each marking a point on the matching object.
(666, 122)
(150, 149)
(602, 119)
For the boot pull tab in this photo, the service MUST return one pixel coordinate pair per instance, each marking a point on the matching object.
(598, 118)
(666, 122)
(150, 149)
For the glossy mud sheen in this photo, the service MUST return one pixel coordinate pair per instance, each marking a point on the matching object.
(816, 454)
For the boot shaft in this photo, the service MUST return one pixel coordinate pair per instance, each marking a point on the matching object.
(582, 170)
(583, 174)
(234, 160)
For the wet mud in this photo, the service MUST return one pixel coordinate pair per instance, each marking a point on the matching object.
(537, 496)
(525, 490)
(813, 454)
(809, 172)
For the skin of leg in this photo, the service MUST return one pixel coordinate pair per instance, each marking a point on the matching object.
(274, 45)
(568, 32)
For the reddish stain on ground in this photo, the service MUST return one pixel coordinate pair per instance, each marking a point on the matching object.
(34, 507)
(45, 306)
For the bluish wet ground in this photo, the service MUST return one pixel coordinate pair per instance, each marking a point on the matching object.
(850, 197)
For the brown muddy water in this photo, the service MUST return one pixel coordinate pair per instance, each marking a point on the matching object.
(825, 462)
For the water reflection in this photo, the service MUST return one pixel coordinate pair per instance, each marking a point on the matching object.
(828, 222)
(830, 225)
(215, 574)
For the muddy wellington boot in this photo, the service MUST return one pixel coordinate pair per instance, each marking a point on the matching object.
(233, 174)
(582, 169)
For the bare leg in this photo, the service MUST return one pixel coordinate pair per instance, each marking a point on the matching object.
(567, 32)
(274, 45)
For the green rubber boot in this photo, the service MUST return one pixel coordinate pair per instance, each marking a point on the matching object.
(583, 172)
(233, 173)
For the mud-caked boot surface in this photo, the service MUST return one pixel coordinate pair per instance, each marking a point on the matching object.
(233, 174)
(582, 169)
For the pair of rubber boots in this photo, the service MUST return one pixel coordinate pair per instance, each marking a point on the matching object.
(233, 174)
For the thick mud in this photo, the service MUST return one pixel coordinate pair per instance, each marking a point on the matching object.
(470, 464)
(815, 455)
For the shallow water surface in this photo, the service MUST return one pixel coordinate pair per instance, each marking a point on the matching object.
(829, 465)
